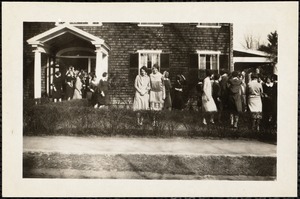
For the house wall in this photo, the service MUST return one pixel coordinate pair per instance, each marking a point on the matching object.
(179, 40)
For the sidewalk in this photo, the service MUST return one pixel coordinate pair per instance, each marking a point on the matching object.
(116, 145)
(147, 158)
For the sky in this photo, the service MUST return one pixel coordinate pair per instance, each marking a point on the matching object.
(260, 31)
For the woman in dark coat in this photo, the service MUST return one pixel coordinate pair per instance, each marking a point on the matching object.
(267, 98)
(57, 87)
(216, 94)
(178, 102)
(70, 78)
(168, 87)
(234, 98)
(102, 90)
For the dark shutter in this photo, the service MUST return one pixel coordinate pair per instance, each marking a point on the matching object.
(164, 61)
(224, 62)
(193, 70)
(134, 60)
(194, 61)
(133, 67)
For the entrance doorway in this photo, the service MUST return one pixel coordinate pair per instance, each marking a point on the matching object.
(86, 64)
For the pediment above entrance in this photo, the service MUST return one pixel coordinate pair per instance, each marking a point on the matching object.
(62, 36)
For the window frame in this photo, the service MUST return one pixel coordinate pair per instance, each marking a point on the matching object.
(140, 52)
(208, 52)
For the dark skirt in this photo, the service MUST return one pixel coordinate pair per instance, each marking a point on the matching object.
(178, 102)
(168, 101)
(102, 100)
(69, 91)
(56, 94)
(235, 103)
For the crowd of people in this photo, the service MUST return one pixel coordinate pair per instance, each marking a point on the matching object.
(80, 84)
(240, 92)
(234, 92)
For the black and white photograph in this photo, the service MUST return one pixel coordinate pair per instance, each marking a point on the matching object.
(143, 101)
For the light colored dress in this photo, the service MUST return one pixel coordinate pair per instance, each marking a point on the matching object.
(254, 98)
(208, 102)
(142, 86)
(77, 89)
(157, 91)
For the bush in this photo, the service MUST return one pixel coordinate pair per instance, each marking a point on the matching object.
(76, 117)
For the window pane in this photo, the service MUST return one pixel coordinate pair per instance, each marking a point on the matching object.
(202, 62)
(149, 59)
(208, 61)
(143, 60)
(214, 62)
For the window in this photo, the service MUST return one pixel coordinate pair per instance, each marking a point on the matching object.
(147, 58)
(208, 60)
(202, 60)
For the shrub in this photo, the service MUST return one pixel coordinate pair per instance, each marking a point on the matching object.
(76, 117)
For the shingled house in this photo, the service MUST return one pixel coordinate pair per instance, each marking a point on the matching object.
(121, 49)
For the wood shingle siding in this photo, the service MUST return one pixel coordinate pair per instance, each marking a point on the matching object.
(178, 42)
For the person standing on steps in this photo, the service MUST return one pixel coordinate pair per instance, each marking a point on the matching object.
(57, 87)
(78, 86)
(70, 78)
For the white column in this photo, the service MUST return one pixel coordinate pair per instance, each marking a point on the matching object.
(37, 74)
(105, 63)
(89, 65)
(99, 68)
(218, 62)
(47, 76)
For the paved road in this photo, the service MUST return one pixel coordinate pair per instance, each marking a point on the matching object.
(119, 145)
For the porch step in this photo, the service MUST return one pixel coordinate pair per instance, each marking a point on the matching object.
(144, 158)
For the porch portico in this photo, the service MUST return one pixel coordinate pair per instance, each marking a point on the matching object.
(66, 43)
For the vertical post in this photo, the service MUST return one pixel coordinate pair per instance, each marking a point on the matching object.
(47, 74)
(99, 69)
(105, 63)
(231, 64)
(140, 63)
(37, 74)
(89, 65)
(218, 63)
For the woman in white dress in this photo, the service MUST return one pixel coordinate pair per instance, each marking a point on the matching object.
(208, 104)
(78, 86)
(141, 98)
